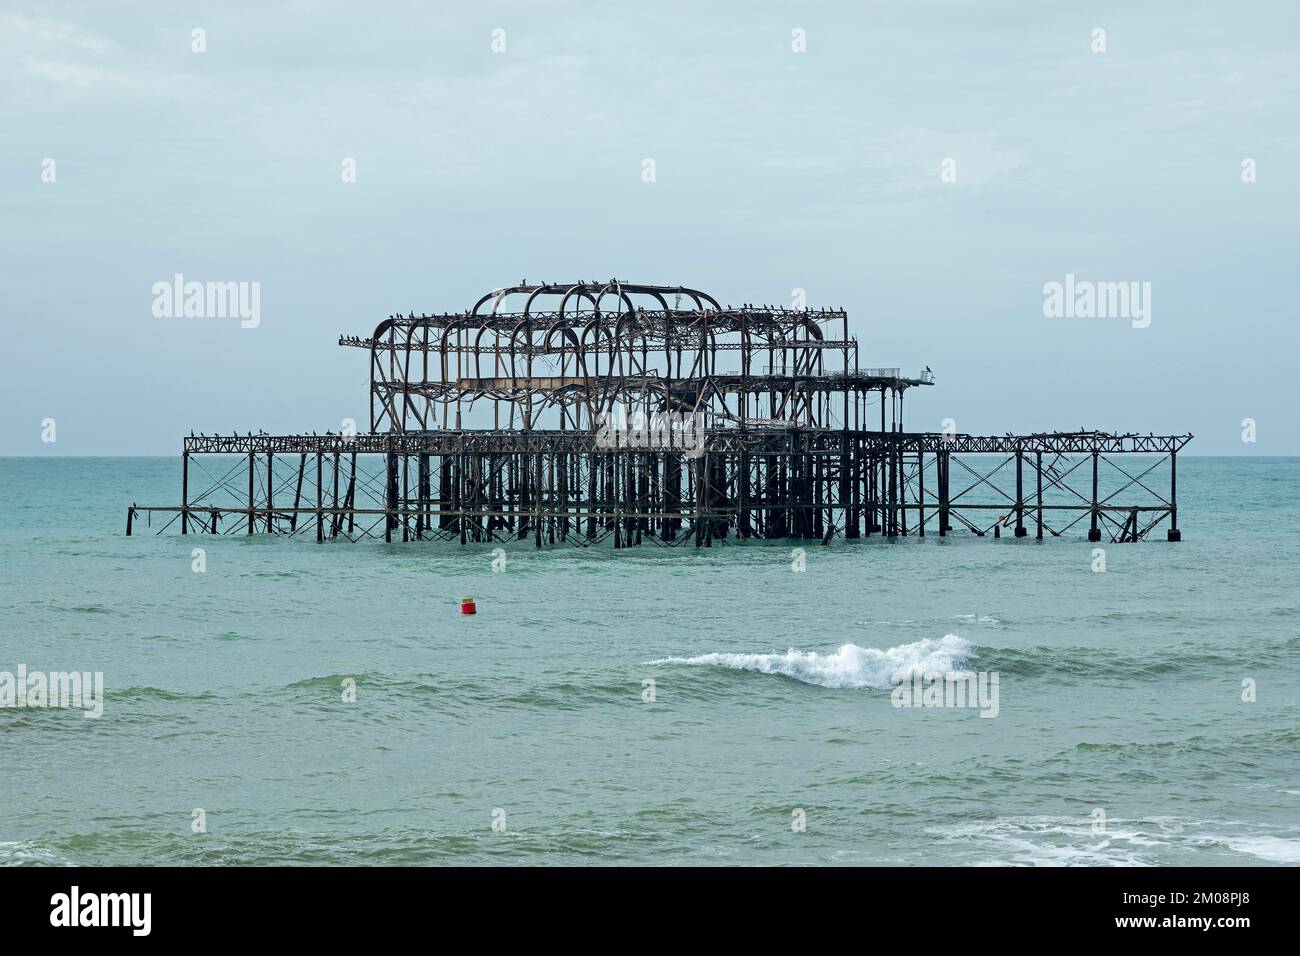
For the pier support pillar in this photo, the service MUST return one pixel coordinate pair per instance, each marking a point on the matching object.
(406, 497)
(297, 494)
(423, 492)
(537, 505)
(320, 501)
(252, 466)
(390, 496)
(270, 491)
(351, 500)
(185, 493)
(1021, 531)
(920, 494)
(1094, 533)
(335, 517)
(1038, 468)
(941, 464)
(1174, 534)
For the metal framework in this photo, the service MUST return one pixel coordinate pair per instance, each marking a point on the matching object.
(639, 414)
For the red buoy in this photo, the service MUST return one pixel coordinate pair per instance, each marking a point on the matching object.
(467, 606)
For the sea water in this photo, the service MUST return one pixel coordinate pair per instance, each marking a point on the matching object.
(303, 703)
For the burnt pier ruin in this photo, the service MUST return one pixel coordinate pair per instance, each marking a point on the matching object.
(595, 412)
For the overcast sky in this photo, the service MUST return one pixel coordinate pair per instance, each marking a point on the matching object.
(774, 170)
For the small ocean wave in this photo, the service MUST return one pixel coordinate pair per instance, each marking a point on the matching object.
(154, 693)
(387, 694)
(1072, 661)
(849, 667)
(332, 681)
(1278, 740)
(571, 695)
(1073, 841)
(27, 853)
(455, 693)
(64, 608)
(979, 619)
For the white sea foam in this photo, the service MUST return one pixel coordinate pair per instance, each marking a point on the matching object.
(1069, 841)
(849, 667)
(26, 853)
(1273, 849)
(1048, 841)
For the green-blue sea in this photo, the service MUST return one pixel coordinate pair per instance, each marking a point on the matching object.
(1147, 715)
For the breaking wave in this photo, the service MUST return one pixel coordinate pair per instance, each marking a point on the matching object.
(849, 667)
